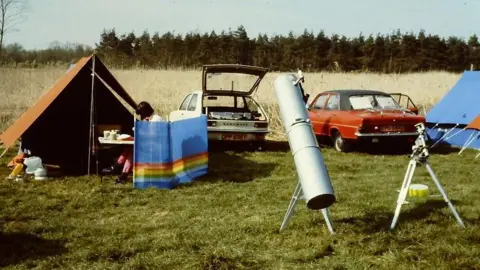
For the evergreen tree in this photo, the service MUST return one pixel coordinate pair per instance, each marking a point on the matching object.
(395, 52)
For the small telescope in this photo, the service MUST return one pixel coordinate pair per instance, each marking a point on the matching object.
(314, 181)
(420, 157)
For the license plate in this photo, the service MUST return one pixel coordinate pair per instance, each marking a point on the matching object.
(392, 128)
(234, 137)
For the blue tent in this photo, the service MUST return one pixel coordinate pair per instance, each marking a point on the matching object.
(447, 121)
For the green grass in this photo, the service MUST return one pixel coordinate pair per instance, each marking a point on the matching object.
(230, 219)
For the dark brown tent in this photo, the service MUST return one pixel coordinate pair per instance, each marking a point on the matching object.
(62, 128)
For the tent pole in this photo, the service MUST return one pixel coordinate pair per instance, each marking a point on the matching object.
(95, 142)
(90, 139)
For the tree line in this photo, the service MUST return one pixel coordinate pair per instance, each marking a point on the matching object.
(395, 52)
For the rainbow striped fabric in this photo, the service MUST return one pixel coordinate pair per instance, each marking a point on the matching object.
(167, 154)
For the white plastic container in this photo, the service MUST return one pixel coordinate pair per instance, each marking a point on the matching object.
(32, 164)
(40, 174)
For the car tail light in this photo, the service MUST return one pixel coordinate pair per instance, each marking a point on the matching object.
(368, 129)
(261, 125)
(212, 123)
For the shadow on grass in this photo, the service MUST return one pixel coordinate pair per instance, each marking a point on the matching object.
(277, 146)
(365, 147)
(233, 167)
(443, 149)
(389, 147)
(18, 247)
(241, 147)
(381, 220)
(403, 150)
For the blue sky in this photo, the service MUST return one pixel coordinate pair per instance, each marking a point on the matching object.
(82, 21)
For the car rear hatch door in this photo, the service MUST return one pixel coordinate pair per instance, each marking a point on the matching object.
(231, 79)
(405, 102)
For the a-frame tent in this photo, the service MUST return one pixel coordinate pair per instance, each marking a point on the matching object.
(448, 121)
(62, 128)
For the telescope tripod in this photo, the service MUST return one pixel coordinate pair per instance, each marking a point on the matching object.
(420, 157)
(297, 195)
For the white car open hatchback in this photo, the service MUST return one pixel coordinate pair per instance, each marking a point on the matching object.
(226, 98)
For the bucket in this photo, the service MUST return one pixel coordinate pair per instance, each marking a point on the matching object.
(418, 190)
(40, 174)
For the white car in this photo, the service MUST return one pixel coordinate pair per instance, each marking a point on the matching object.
(226, 98)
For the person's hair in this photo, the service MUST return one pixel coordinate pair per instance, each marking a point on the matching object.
(144, 109)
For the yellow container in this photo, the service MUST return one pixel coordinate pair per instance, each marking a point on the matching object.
(418, 190)
(16, 171)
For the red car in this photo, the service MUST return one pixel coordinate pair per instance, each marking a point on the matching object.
(350, 117)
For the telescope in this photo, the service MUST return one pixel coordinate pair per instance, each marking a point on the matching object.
(420, 157)
(314, 180)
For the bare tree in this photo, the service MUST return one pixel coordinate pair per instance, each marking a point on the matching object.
(11, 14)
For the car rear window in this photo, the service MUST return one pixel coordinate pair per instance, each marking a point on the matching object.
(372, 101)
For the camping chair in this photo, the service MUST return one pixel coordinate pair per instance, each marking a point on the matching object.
(475, 126)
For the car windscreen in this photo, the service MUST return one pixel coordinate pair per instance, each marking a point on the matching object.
(359, 102)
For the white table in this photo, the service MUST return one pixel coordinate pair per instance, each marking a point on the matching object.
(105, 141)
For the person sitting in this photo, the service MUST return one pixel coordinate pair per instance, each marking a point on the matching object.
(125, 161)
(16, 164)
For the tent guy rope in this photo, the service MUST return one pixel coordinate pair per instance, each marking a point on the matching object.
(469, 141)
(4, 152)
(456, 133)
(439, 140)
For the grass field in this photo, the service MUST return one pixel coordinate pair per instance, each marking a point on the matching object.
(230, 219)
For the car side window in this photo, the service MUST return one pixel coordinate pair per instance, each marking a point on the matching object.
(183, 107)
(193, 103)
(333, 103)
(320, 102)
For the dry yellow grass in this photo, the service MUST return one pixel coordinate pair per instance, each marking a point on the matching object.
(165, 89)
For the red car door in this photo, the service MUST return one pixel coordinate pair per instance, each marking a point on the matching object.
(332, 111)
(317, 114)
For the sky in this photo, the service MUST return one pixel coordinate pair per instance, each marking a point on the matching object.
(82, 21)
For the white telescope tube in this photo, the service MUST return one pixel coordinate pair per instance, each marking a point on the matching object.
(311, 169)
